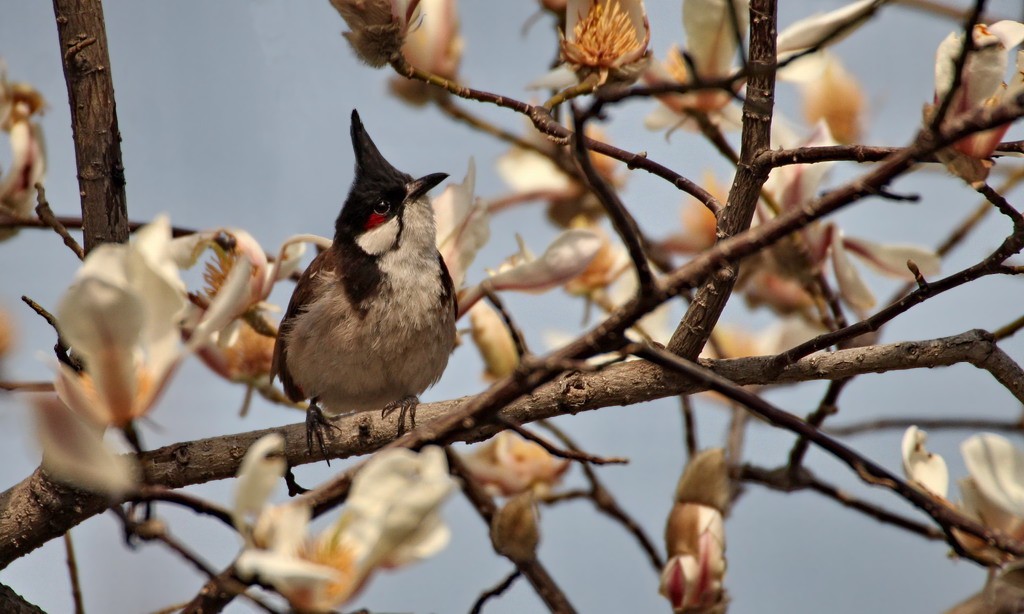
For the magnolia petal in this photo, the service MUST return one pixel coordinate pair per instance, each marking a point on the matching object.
(711, 36)
(851, 285)
(559, 78)
(923, 468)
(997, 468)
(28, 167)
(494, 341)
(283, 528)
(892, 259)
(810, 31)
(230, 301)
(431, 537)
(1010, 33)
(261, 469)
(288, 263)
(463, 225)
(301, 582)
(566, 257)
(74, 452)
(975, 505)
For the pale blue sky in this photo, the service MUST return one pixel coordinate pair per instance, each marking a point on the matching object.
(236, 113)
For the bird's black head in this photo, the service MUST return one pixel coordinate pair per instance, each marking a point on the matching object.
(380, 191)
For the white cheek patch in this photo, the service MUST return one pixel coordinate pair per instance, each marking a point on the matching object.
(378, 240)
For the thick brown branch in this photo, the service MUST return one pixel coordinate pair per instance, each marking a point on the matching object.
(86, 60)
(37, 509)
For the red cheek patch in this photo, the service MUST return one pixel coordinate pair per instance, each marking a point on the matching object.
(374, 221)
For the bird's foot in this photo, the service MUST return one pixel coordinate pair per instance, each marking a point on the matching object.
(316, 423)
(405, 406)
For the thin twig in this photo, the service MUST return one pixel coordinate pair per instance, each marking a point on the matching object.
(61, 347)
(76, 585)
(607, 504)
(931, 424)
(535, 573)
(517, 333)
(46, 215)
(689, 425)
(495, 591)
(570, 454)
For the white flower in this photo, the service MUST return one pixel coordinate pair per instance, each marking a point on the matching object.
(463, 225)
(435, 46)
(997, 468)
(391, 518)
(607, 38)
(259, 473)
(74, 451)
(509, 465)
(19, 102)
(121, 317)
(924, 469)
(566, 257)
(981, 82)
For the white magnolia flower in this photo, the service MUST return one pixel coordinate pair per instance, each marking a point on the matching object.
(463, 225)
(924, 469)
(508, 465)
(74, 451)
(121, 317)
(981, 82)
(435, 46)
(997, 468)
(606, 38)
(19, 103)
(391, 518)
(259, 473)
(566, 257)
(795, 185)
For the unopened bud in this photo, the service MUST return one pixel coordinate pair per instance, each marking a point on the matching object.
(705, 481)
(514, 530)
(378, 27)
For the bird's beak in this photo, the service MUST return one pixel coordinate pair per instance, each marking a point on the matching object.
(419, 187)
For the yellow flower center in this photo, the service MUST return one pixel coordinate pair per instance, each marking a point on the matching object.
(603, 37)
(216, 271)
(330, 552)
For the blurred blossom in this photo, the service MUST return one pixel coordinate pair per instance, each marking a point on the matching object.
(494, 341)
(783, 295)
(611, 261)
(508, 465)
(19, 103)
(74, 451)
(6, 334)
(981, 86)
(699, 226)
(566, 257)
(836, 98)
(711, 44)
(261, 469)
(391, 518)
(795, 185)
(924, 470)
(435, 46)
(463, 225)
(533, 174)
(695, 536)
(378, 27)
(812, 32)
(603, 39)
(246, 359)
(120, 316)
(992, 493)
(732, 341)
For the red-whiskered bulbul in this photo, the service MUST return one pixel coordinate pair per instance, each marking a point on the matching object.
(371, 322)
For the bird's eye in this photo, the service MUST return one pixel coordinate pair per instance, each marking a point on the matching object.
(382, 208)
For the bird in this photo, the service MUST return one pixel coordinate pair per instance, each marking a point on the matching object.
(371, 322)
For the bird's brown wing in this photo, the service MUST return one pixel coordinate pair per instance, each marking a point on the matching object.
(306, 290)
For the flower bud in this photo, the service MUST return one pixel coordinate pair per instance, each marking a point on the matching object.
(493, 339)
(378, 27)
(514, 530)
(509, 465)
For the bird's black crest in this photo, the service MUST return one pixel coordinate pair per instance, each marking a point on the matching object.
(376, 180)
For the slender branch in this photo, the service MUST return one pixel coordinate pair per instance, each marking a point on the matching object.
(624, 223)
(86, 61)
(868, 471)
(45, 214)
(496, 591)
(575, 455)
(76, 585)
(931, 424)
(970, 20)
(532, 570)
(784, 480)
(689, 425)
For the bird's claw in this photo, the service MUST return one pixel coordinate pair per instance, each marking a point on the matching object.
(315, 425)
(405, 406)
